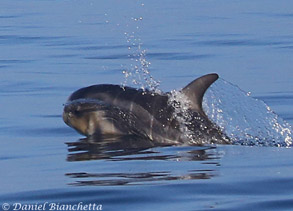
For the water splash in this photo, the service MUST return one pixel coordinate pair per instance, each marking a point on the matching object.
(186, 119)
(245, 120)
(138, 71)
(181, 106)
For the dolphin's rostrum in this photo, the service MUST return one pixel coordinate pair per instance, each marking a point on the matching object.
(102, 110)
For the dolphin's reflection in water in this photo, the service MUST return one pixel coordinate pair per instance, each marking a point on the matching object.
(127, 149)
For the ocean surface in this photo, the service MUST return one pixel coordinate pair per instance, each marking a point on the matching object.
(49, 49)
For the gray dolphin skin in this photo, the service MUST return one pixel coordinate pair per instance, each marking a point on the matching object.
(113, 110)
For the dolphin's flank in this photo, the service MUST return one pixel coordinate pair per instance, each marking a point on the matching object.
(105, 109)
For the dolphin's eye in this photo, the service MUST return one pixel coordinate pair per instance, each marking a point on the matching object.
(74, 113)
(70, 114)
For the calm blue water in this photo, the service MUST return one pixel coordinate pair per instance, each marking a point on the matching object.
(51, 48)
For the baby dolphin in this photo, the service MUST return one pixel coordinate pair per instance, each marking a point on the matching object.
(113, 110)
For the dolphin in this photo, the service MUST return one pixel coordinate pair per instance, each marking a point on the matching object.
(113, 110)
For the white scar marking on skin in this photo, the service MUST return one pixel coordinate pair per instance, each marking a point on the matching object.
(91, 127)
(106, 126)
(151, 127)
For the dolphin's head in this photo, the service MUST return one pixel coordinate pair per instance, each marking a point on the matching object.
(92, 117)
(78, 114)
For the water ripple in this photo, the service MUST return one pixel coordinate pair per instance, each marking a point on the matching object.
(155, 56)
(243, 42)
(141, 178)
(21, 39)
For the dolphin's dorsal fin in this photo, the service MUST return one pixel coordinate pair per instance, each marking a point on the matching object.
(196, 89)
